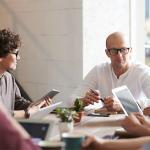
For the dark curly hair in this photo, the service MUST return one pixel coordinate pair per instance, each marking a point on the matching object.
(9, 41)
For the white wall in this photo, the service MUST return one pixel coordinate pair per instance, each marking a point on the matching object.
(51, 54)
(62, 39)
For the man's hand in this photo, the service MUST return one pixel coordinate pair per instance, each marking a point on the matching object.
(111, 104)
(91, 96)
(147, 111)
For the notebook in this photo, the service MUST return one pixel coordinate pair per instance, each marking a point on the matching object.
(126, 100)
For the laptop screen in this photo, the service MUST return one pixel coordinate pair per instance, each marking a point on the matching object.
(38, 131)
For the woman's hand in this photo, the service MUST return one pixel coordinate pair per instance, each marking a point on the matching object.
(47, 102)
(34, 108)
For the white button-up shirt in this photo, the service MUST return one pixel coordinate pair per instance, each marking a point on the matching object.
(102, 78)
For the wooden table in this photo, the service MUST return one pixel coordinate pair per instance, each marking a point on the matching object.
(91, 125)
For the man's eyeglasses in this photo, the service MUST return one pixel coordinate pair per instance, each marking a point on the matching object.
(123, 51)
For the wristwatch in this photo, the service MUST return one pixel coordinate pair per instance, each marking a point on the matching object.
(26, 114)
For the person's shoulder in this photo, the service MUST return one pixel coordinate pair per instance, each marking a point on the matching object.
(141, 67)
(103, 64)
(7, 75)
(100, 68)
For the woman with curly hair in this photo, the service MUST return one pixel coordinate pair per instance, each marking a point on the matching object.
(10, 96)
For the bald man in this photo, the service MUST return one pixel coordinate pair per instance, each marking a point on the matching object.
(121, 70)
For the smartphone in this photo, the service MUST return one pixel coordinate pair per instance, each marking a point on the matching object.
(50, 94)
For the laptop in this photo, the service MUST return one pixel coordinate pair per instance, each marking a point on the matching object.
(126, 100)
(38, 130)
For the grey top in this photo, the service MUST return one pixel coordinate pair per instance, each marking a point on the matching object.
(10, 93)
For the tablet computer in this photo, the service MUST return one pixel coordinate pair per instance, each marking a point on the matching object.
(50, 94)
(44, 111)
(126, 100)
(37, 129)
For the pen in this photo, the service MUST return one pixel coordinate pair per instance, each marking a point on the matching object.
(102, 100)
(93, 91)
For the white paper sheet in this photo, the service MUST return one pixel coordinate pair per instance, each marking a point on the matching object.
(44, 111)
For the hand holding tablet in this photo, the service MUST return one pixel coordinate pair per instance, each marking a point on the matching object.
(42, 112)
(50, 95)
(126, 100)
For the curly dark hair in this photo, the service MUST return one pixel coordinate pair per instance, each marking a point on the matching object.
(9, 41)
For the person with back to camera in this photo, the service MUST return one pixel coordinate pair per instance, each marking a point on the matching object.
(10, 96)
(12, 134)
(121, 70)
(134, 124)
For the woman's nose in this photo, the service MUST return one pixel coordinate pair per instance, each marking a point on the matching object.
(18, 57)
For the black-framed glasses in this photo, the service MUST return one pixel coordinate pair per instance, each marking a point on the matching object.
(16, 53)
(123, 51)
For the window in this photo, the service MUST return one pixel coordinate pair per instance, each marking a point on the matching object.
(147, 29)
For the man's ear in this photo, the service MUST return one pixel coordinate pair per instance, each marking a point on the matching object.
(107, 53)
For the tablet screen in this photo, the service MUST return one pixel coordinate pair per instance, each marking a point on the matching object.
(126, 99)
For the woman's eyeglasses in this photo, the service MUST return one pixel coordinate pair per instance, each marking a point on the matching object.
(16, 53)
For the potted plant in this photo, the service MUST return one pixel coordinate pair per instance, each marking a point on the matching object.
(78, 107)
(66, 116)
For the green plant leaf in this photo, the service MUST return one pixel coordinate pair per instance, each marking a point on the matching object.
(65, 114)
(78, 105)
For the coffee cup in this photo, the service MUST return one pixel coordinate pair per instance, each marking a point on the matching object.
(73, 141)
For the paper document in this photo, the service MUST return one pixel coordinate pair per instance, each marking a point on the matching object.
(94, 107)
(44, 111)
